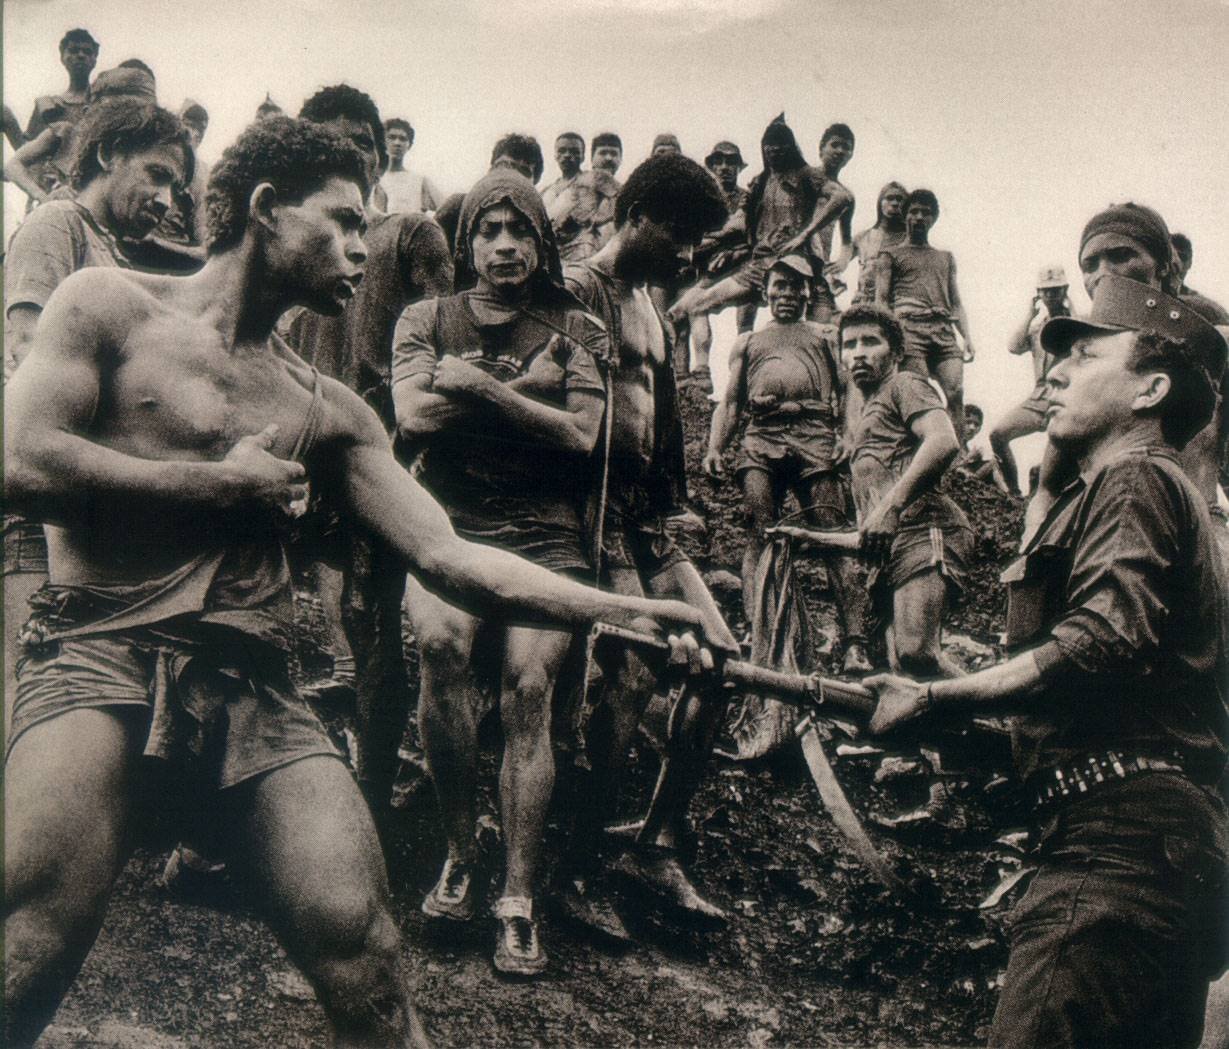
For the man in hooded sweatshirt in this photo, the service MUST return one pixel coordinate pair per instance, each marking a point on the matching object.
(500, 386)
(787, 204)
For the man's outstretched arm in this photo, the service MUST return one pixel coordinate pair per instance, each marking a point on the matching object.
(55, 473)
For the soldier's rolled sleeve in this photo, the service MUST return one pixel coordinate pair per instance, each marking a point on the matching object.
(1117, 593)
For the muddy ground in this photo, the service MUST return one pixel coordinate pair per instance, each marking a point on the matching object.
(816, 953)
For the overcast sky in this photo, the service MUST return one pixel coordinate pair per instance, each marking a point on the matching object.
(1024, 117)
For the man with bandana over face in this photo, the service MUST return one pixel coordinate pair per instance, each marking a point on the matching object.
(787, 204)
(500, 386)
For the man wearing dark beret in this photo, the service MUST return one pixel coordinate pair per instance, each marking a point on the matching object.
(1131, 240)
(1117, 624)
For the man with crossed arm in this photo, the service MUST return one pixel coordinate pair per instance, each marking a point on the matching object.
(165, 431)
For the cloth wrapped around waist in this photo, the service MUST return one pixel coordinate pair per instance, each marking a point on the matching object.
(773, 410)
(220, 699)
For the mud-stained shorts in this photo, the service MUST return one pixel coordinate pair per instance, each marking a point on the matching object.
(793, 452)
(214, 712)
(25, 546)
(916, 550)
(928, 342)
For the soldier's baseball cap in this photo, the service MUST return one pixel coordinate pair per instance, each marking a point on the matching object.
(1123, 304)
(1052, 277)
(728, 149)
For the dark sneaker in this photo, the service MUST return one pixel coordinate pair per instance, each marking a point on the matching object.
(453, 895)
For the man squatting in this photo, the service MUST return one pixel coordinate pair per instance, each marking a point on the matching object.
(164, 431)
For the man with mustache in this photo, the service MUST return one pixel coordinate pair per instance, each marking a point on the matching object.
(901, 442)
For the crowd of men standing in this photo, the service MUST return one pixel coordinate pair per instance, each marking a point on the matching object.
(308, 353)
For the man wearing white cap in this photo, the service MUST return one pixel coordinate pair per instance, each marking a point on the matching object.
(1030, 415)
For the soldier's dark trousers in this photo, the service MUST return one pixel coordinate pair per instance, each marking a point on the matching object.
(1123, 926)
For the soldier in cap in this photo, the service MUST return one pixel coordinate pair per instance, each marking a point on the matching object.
(1117, 624)
(787, 378)
(1029, 416)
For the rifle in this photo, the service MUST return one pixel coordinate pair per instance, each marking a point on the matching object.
(811, 692)
(836, 540)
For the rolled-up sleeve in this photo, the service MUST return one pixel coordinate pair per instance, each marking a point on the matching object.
(1118, 590)
(414, 351)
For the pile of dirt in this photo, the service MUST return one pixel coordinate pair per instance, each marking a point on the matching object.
(816, 951)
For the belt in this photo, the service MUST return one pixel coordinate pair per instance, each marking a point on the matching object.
(1080, 777)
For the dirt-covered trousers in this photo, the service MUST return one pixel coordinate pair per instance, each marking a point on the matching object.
(1123, 926)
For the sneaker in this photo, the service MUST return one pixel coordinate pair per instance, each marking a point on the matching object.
(518, 952)
(453, 895)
